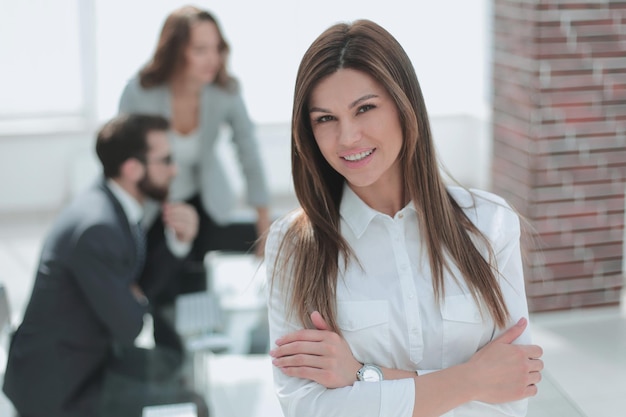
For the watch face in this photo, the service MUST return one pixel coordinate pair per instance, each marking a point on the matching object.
(370, 374)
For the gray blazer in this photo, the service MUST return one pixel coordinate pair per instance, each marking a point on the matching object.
(218, 107)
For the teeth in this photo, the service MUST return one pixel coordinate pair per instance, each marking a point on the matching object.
(358, 156)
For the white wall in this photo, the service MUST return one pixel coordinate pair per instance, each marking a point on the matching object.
(446, 41)
(36, 170)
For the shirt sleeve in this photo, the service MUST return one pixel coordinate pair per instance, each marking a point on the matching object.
(178, 248)
(305, 398)
(507, 250)
(129, 99)
(126, 103)
(511, 274)
(257, 191)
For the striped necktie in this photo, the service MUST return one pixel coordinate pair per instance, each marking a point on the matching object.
(140, 247)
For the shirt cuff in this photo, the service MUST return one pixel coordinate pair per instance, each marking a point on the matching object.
(397, 397)
(426, 371)
(179, 249)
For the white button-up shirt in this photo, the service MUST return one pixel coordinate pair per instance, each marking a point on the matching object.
(388, 313)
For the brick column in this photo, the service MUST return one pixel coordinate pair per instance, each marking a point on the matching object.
(559, 131)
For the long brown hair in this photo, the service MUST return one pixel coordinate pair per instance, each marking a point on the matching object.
(169, 56)
(313, 244)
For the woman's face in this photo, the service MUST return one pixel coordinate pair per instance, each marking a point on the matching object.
(357, 128)
(203, 59)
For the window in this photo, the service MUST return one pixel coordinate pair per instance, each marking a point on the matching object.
(43, 68)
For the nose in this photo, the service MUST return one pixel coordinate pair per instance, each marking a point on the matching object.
(349, 133)
(213, 57)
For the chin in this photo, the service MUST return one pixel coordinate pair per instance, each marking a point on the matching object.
(209, 78)
(360, 183)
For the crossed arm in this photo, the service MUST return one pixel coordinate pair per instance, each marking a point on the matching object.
(499, 372)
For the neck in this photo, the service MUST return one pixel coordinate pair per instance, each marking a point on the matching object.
(183, 86)
(383, 199)
(131, 189)
(387, 195)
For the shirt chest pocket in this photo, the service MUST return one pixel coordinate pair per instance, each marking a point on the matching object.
(365, 326)
(463, 328)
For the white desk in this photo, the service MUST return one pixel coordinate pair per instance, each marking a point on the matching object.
(242, 385)
(239, 283)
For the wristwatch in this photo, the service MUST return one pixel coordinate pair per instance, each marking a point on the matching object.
(369, 373)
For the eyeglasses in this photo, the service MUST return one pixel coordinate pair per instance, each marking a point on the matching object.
(166, 160)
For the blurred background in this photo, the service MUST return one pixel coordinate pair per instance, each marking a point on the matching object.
(64, 66)
(526, 98)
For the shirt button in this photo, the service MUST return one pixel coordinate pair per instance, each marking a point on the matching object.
(411, 296)
(401, 216)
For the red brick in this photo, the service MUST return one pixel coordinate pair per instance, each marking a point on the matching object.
(576, 98)
(555, 302)
(572, 82)
(576, 240)
(572, 192)
(589, 221)
(572, 286)
(591, 142)
(540, 271)
(559, 143)
(577, 208)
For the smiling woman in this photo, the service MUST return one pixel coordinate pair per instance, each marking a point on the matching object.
(357, 128)
(391, 293)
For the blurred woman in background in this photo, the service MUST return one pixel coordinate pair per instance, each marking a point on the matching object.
(187, 81)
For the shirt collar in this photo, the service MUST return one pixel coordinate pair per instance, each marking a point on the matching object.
(355, 212)
(359, 215)
(131, 207)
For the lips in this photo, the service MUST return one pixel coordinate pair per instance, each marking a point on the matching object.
(356, 157)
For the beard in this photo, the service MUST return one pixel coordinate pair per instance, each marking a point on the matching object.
(152, 190)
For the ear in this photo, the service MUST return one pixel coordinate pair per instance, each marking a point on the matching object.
(132, 169)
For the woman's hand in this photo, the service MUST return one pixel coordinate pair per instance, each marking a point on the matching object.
(505, 372)
(316, 354)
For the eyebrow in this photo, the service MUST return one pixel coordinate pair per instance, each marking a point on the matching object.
(352, 105)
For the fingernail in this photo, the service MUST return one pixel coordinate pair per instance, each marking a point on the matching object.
(521, 321)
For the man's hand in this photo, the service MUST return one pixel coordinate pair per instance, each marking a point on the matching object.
(316, 354)
(183, 219)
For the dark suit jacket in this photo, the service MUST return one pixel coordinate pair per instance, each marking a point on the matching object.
(80, 307)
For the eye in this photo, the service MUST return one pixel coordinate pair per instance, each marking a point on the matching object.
(324, 119)
(201, 49)
(365, 107)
